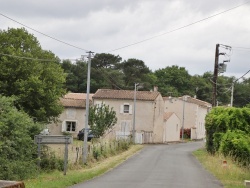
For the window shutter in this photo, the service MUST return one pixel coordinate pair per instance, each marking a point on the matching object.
(63, 126)
(130, 109)
(121, 109)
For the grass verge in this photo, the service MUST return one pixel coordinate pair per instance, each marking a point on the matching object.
(230, 175)
(56, 179)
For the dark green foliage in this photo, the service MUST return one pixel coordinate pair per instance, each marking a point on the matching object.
(17, 147)
(174, 80)
(101, 119)
(236, 144)
(37, 85)
(227, 131)
(17, 169)
(135, 71)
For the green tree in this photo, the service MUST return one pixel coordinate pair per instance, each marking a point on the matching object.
(104, 60)
(38, 85)
(174, 80)
(241, 93)
(17, 147)
(202, 86)
(106, 73)
(101, 119)
(76, 76)
(135, 71)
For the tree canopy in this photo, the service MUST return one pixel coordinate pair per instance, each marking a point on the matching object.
(37, 84)
(101, 119)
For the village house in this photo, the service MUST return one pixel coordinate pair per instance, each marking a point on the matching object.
(171, 127)
(148, 113)
(194, 114)
(72, 119)
(157, 119)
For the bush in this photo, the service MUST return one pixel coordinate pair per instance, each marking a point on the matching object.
(16, 169)
(222, 119)
(17, 147)
(236, 144)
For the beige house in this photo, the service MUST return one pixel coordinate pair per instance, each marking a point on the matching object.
(73, 117)
(157, 119)
(148, 113)
(194, 114)
(171, 127)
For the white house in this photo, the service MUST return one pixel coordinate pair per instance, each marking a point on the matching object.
(72, 120)
(171, 127)
(148, 113)
(191, 112)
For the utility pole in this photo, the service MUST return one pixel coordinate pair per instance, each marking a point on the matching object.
(215, 75)
(85, 143)
(218, 68)
(232, 95)
(136, 84)
(184, 98)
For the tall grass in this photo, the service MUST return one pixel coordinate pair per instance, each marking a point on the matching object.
(56, 179)
(230, 175)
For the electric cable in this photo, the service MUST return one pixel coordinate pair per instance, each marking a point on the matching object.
(44, 33)
(179, 28)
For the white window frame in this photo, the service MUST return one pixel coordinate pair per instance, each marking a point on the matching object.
(123, 111)
(65, 128)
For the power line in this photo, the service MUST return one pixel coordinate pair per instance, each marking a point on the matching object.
(242, 76)
(44, 33)
(182, 27)
(244, 48)
(109, 78)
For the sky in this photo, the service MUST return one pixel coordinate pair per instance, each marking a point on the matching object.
(115, 26)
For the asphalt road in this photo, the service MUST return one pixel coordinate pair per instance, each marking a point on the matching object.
(158, 166)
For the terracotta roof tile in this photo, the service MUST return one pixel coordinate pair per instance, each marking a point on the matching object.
(76, 100)
(167, 115)
(191, 100)
(125, 94)
(77, 96)
(77, 103)
(197, 101)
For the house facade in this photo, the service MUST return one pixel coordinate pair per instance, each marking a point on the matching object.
(72, 119)
(191, 112)
(171, 127)
(157, 119)
(148, 113)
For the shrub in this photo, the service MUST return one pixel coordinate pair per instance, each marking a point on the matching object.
(17, 148)
(49, 161)
(237, 145)
(222, 119)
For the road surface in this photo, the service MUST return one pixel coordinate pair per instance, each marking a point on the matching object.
(158, 166)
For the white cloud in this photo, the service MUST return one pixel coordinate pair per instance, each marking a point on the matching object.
(105, 25)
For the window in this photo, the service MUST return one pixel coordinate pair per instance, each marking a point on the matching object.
(70, 126)
(126, 108)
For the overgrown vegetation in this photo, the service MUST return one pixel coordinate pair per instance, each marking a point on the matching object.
(56, 179)
(230, 175)
(228, 132)
(17, 148)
